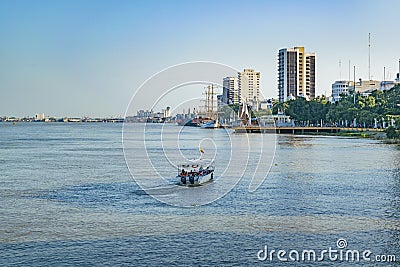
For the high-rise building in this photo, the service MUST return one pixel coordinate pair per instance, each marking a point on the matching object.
(249, 85)
(296, 74)
(230, 93)
(310, 75)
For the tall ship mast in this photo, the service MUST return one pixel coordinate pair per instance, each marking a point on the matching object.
(208, 118)
(210, 112)
(211, 115)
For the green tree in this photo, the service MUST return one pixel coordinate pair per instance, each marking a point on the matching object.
(391, 132)
(379, 104)
(279, 107)
(226, 111)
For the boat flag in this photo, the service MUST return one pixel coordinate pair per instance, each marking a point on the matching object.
(201, 150)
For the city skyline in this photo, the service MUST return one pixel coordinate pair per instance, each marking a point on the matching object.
(73, 58)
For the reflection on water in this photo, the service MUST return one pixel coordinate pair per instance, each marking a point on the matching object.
(66, 197)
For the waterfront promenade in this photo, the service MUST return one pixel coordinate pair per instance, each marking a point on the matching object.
(299, 130)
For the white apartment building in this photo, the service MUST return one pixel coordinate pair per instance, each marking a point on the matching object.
(340, 88)
(249, 85)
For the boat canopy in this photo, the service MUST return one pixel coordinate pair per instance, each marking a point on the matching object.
(196, 164)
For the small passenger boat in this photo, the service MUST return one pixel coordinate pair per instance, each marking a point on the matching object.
(195, 173)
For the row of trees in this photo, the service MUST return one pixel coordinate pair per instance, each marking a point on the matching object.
(379, 106)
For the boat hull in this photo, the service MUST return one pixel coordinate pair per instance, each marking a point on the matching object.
(195, 180)
(209, 125)
(192, 122)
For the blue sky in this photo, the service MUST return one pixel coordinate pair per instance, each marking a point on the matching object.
(76, 58)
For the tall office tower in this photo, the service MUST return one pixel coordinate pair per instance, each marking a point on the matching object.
(310, 75)
(296, 74)
(249, 85)
(230, 93)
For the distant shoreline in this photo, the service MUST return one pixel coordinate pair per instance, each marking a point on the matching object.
(61, 120)
(381, 136)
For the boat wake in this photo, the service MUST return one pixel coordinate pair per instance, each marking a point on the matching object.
(161, 190)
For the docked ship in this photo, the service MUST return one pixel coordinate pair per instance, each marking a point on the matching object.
(207, 119)
(211, 116)
(195, 122)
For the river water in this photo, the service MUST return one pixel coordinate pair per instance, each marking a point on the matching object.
(67, 197)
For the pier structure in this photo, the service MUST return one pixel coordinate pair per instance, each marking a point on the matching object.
(298, 129)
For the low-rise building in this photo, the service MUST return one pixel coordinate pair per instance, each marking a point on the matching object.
(39, 117)
(347, 87)
(387, 85)
(266, 104)
(340, 88)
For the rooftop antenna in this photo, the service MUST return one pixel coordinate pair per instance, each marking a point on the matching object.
(340, 69)
(384, 74)
(349, 70)
(398, 77)
(369, 56)
(354, 92)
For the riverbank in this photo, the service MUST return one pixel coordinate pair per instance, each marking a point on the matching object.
(364, 134)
